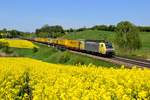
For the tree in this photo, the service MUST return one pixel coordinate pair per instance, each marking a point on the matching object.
(3, 33)
(14, 33)
(70, 30)
(100, 27)
(127, 36)
(4, 30)
(50, 31)
(144, 28)
(81, 29)
(111, 28)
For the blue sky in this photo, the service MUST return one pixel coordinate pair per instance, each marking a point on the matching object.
(27, 15)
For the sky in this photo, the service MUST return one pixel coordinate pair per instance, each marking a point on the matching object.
(27, 15)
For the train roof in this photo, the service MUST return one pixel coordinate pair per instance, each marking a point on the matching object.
(87, 40)
(97, 41)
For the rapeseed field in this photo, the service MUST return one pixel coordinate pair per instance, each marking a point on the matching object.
(25, 78)
(18, 43)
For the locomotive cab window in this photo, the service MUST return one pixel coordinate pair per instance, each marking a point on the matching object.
(102, 45)
(108, 45)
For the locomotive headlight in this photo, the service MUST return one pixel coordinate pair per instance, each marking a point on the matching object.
(110, 52)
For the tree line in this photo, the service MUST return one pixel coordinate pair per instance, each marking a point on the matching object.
(108, 28)
(4, 33)
(50, 31)
(58, 31)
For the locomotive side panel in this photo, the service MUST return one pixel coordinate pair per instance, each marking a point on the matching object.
(92, 46)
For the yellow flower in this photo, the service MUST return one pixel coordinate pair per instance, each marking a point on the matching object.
(142, 94)
(18, 43)
(54, 81)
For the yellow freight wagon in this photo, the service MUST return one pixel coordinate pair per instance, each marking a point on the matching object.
(74, 44)
(62, 42)
(54, 41)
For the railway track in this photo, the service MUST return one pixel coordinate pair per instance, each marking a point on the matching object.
(116, 59)
(141, 63)
(119, 60)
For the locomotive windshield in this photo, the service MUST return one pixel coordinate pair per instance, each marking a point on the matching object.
(108, 45)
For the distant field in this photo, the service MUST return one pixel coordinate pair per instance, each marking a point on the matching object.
(18, 43)
(144, 52)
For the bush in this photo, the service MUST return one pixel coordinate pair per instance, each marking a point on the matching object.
(3, 44)
(7, 50)
(35, 49)
(64, 58)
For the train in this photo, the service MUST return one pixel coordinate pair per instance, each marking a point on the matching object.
(98, 47)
